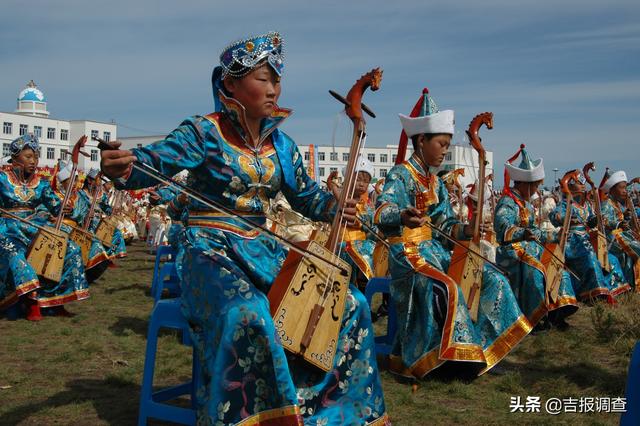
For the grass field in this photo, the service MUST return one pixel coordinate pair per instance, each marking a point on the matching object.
(87, 370)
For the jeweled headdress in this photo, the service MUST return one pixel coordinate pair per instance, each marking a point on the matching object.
(242, 56)
(24, 141)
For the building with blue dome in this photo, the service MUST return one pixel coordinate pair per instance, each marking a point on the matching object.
(31, 101)
(57, 137)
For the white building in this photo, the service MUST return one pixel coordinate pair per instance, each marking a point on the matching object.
(56, 136)
(383, 159)
(139, 141)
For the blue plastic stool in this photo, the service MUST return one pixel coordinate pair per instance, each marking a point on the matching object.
(166, 314)
(384, 343)
(632, 416)
(163, 251)
(172, 283)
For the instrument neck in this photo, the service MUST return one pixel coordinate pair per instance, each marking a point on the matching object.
(348, 188)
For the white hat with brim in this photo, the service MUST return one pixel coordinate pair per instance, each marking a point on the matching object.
(616, 178)
(533, 174)
(437, 122)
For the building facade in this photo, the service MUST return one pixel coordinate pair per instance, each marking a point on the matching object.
(57, 137)
(335, 159)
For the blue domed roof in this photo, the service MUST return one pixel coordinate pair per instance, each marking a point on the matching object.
(31, 93)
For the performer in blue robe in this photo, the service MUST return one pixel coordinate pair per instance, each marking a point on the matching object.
(434, 323)
(237, 156)
(358, 242)
(521, 243)
(117, 247)
(97, 259)
(624, 242)
(579, 253)
(21, 192)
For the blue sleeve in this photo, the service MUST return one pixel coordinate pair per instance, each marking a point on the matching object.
(50, 200)
(506, 221)
(393, 199)
(184, 148)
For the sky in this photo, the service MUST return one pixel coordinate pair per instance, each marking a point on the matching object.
(561, 76)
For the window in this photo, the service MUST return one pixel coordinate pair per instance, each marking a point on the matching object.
(106, 136)
(24, 129)
(320, 156)
(51, 153)
(371, 157)
(94, 134)
(383, 158)
(51, 133)
(345, 156)
(63, 154)
(39, 151)
(64, 134)
(37, 130)
(394, 157)
(7, 128)
(306, 156)
(447, 157)
(94, 155)
(333, 156)
(321, 171)
(383, 173)
(6, 149)
(333, 169)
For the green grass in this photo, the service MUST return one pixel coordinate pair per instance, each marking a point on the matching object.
(87, 370)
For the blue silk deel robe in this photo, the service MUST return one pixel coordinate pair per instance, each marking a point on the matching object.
(624, 246)
(17, 277)
(434, 324)
(521, 259)
(118, 248)
(582, 258)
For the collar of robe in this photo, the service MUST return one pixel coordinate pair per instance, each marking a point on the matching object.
(237, 114)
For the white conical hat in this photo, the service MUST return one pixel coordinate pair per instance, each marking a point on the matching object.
(528, 170)
(427, 118)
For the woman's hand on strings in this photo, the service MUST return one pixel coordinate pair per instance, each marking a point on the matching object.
(116, 163)
(412, 217)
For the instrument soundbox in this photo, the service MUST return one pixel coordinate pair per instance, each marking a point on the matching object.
(105, 230)
(46, 253)
(291, 304)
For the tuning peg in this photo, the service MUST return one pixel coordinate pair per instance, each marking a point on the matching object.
(368, 110)
(340, 98)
